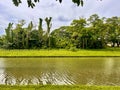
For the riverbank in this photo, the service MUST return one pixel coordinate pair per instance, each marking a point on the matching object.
(53, 87)
(61, 52)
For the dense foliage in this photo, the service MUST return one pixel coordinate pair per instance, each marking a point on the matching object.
(91, 33)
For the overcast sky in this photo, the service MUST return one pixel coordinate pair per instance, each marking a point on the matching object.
(62, 14)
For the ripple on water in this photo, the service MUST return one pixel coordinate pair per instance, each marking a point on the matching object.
(96, 71)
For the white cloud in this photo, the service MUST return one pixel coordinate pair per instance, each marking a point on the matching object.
(62, 14)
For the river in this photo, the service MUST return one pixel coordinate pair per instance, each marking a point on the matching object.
(60, 71)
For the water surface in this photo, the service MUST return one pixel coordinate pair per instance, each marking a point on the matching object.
(60, 71)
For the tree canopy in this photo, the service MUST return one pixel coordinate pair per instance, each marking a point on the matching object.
(31, 3)
(92, 33)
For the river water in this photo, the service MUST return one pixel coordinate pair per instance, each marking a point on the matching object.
(60, 71)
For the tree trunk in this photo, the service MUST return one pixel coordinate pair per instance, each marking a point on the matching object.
(83, 43)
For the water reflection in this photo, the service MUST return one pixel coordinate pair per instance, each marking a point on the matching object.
(1, 70)
(111, 71)
(25, 77)
(60, 71)
(109, 66)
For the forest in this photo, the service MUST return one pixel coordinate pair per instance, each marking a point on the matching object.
(95, 32)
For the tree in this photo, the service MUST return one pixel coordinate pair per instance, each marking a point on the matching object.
(93, 20)
(28, 31)
(62, 37)
(34, 40)
(113, 30)
(2, 41)
(8, 31)
(98, 31)
(93, 33)
(49, 25)
(40, 32)
(19, 36)
(31, 3)
(8, 37)
(78, 26)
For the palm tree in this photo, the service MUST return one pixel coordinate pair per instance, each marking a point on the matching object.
(49, 25)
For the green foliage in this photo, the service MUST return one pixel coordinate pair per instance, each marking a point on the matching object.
(8, 32)
(62, 37)
(31, 3)
(73, 49)
(28, 37)
(91, 33)
(16, 2)
(78, 2)
(113, 28)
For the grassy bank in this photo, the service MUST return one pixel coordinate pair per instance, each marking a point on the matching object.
(50, 87)
(60, 52)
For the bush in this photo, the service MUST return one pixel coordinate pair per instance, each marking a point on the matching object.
(73, 49)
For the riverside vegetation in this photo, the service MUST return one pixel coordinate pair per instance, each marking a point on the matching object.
(91, 33)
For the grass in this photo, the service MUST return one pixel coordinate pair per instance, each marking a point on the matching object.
(61, 52)
(53, 87)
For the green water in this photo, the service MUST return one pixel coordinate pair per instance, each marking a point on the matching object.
(60, 71)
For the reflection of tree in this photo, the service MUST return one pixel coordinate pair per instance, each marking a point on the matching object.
(7, 79)
(109, 65)
(112, 71)
(19, 80)
(39, 72)
(19, 76)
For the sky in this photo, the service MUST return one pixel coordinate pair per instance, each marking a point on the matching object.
(62, 14)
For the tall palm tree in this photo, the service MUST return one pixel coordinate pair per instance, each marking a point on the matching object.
(49, 25)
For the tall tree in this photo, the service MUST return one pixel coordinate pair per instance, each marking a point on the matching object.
(113, 30)
(40, 29)
(78, 26)
(98, 37)
(19, 38)
(9, 36)
(40, 33)
(8, 31)
(49, 25)
(93, 20)
(29, 29)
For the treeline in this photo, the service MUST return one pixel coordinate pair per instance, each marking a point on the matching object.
(91, 33)
(28, 37)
